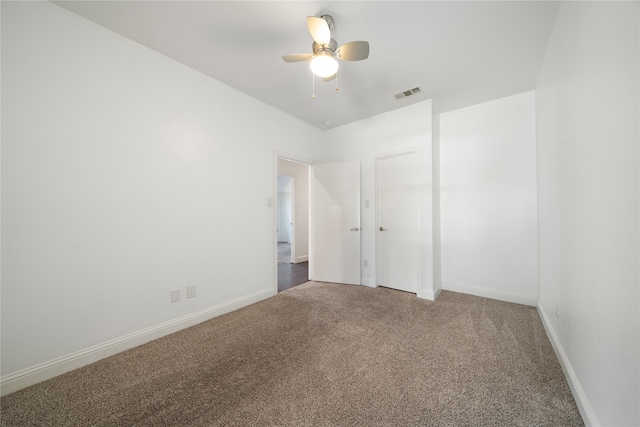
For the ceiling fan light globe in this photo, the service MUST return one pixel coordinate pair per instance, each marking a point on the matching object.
(324, 65)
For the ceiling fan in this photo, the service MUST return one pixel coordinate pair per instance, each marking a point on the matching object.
(326, 50)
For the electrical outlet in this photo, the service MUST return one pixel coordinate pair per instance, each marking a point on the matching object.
(175, 295)
(191, 291)
(365, 263)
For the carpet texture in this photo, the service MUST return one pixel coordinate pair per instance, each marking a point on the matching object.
(323, 355)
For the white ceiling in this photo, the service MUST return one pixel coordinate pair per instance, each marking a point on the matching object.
(459, 53)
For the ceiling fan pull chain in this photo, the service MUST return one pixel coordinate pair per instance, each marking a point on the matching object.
(336, 81)
(313, 86)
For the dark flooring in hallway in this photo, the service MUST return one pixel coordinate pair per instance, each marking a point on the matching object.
(290, 275)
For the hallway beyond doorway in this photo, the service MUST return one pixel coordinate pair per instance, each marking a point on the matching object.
(290, 275)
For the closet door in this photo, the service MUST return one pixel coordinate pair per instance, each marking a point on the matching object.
(398, 221)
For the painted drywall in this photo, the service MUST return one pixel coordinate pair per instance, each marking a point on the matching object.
(116, 188)
(488, 199)
(437, 222)
(363, 141)
(301, 210)
(587, 108)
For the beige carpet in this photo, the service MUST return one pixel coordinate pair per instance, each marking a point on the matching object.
(323, 355)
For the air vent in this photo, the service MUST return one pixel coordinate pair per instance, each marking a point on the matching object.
(408, 92)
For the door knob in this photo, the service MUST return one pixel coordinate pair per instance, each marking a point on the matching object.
(382, 229)
(355, 229)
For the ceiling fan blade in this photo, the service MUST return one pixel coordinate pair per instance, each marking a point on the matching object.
(328, 79)
(353, 51)
(297, 57)
(319, 30)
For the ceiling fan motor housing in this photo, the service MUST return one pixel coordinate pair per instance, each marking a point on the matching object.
(331, 47)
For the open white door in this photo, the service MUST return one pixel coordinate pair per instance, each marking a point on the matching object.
(336, 222)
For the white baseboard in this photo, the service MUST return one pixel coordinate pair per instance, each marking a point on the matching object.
(44, 371)
(585, 408)
(303, 258)
(429, 295)
(530, 300)
(368, 281)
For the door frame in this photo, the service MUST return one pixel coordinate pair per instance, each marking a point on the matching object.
(416, 151)
(277, 154)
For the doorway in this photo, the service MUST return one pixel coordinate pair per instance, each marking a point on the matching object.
(292, 223)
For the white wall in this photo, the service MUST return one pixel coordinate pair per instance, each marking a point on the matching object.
(301, 210)
(587, 108)
(488, 199)
(409, 127)
(436, 208)
(116, 188)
